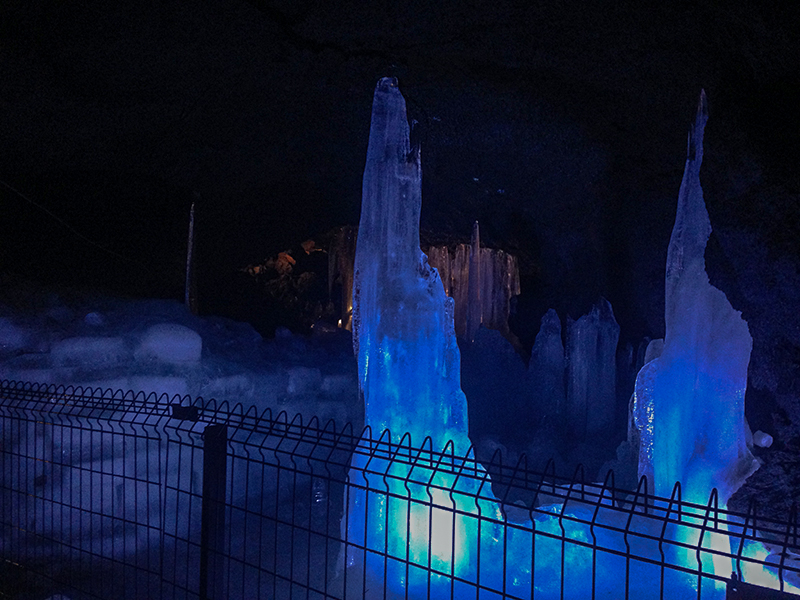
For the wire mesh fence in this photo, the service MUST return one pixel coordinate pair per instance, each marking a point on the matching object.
(110, 494)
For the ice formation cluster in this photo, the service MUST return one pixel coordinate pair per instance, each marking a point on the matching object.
(413, 529)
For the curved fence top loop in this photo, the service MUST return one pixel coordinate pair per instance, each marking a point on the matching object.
(420, 452)
(522, 460)
(297, 421)
(467, 462)
(249, 417)
(579, 476)
(642, 486)
(437, 467)
(497, 458)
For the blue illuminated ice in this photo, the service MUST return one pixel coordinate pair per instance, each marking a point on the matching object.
(424, 523)
(408, 359)
(409, 376)
(690, 401)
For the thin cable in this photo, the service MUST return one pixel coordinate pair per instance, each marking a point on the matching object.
(70, 227)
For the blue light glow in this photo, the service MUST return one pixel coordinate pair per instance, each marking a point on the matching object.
(416, 525)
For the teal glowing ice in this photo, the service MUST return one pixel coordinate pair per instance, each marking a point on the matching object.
(689, 402)
(408, 360)
(422, 524)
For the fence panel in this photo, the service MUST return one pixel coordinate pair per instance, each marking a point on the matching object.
(82, 492)
(109, 495)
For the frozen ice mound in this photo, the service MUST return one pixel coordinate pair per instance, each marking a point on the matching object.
(304, 380)
(157, 347)
(170, 343)
(591, 370)
(545, 376)
(12, 337)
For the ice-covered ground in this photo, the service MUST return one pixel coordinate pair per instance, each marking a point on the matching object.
(158, 346)
(90, 340)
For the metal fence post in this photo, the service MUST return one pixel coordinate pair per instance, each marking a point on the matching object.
(212, 525)
(739, 590)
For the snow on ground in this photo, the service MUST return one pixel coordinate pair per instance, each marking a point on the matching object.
(158, 346)
(154, 346)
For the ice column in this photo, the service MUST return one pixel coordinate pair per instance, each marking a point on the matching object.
(399, 509)
(693, 394)
(408, 360)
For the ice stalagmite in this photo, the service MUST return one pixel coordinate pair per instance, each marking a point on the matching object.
(545, 377)
(408, 360)
(475, 304)
(690, 401)
(409, 375)
(592, 371)
(422, 524)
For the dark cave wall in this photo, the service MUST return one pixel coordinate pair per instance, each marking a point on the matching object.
(562, 128)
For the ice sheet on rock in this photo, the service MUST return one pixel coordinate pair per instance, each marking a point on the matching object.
(545, 377)
(591, 356)
(693, 394)
(460, 287)
(481, 281)
(170, 343)
(476, 291)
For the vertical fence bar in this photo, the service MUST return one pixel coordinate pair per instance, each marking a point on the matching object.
(212, 520)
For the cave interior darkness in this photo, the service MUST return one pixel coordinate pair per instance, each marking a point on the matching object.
(560, 127)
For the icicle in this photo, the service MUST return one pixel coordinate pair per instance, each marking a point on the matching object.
(190, 288)
(474, 302)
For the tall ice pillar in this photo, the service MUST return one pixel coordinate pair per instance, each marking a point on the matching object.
(689, 402)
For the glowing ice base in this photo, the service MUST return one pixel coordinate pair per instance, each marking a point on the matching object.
(424, 529)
